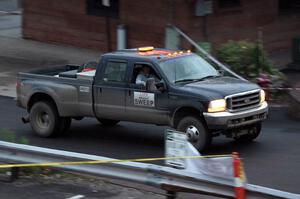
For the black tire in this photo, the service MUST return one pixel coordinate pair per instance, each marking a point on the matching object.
(44, 119)
(65, 124)
(107, 122)
(78, 118)
(200, 136)
(254, 132)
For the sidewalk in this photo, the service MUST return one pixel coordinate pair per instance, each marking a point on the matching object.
(69, 185)
(19, 55)
(294, 96)
(9, 5)
(282, 60)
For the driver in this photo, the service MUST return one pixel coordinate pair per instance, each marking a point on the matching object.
(144, 74)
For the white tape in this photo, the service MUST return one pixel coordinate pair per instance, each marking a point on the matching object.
(76, 197)
(238, 182)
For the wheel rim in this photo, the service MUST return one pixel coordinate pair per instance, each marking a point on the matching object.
(43, 120)
(192, 133)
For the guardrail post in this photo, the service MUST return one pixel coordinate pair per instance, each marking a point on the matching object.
(171, 195)
(14, 174)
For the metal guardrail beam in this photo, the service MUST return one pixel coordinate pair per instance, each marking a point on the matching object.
(191, 41)
(169, 179)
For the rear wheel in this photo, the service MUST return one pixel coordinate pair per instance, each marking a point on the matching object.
(44, 119)
(196, 132)
(253, 133)
(107, 122)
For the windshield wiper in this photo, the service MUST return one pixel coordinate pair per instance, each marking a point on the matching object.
(208, 77)
(196, 80)
(185, 80)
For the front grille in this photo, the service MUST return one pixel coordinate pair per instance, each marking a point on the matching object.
(243, 101)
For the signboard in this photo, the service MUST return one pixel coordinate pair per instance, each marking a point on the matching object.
(144, 99)
(175, 146)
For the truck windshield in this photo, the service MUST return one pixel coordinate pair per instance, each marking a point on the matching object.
(188, 68)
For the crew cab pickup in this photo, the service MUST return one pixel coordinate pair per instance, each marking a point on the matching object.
(182, 90)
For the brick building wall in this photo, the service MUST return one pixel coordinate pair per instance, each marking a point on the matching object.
(66, 22)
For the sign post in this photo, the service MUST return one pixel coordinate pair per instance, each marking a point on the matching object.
(175, 146)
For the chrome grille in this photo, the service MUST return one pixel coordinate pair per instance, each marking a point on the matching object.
(243, 101)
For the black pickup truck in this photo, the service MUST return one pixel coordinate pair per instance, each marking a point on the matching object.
(185, 92)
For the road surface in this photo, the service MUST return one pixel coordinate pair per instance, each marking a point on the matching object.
(273, 160)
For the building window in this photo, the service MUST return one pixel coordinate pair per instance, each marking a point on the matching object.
(229, 3)
(108, 8)
(289, 6)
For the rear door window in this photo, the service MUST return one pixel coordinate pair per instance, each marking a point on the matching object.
(115, 71)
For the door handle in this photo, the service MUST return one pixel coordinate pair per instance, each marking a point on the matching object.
(129, 92)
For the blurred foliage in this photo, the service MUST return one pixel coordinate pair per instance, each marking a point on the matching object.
(250, 60)
(247, 59)
(205, 45)
(9, 136)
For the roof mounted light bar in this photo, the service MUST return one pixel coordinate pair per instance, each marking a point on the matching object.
(145, 49)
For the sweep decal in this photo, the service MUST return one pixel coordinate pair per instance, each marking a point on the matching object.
(144, 99)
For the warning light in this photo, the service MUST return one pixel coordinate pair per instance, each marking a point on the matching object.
(145, 49)
(188, 51)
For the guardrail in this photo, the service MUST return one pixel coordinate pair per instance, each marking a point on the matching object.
(169, 179)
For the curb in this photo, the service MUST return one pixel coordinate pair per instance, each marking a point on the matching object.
(271, 105)
(16, 12)
(8, 95)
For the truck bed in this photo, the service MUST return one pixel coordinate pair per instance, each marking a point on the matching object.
(68, 92)
(56, 70)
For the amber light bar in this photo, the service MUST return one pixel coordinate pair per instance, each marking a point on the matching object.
(145, 49)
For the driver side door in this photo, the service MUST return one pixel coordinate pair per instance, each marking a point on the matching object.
(143, 105)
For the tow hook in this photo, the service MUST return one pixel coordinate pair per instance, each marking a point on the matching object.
(25, 119)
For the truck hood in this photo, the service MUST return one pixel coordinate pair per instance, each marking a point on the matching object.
(220, 87)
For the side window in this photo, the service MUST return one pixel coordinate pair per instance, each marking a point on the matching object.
(115, 71)
(145, 70)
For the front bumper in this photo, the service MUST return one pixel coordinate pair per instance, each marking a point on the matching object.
(229, 120)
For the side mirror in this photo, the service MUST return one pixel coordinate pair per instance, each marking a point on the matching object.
(150, 84)
(161, 86)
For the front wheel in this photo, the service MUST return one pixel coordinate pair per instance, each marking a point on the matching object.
(253, 133)
(196, 132)
(107, 122)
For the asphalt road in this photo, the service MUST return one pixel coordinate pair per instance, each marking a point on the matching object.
(273, 160)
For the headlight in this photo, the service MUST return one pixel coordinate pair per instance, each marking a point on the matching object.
(262, 96)
(217, 105)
